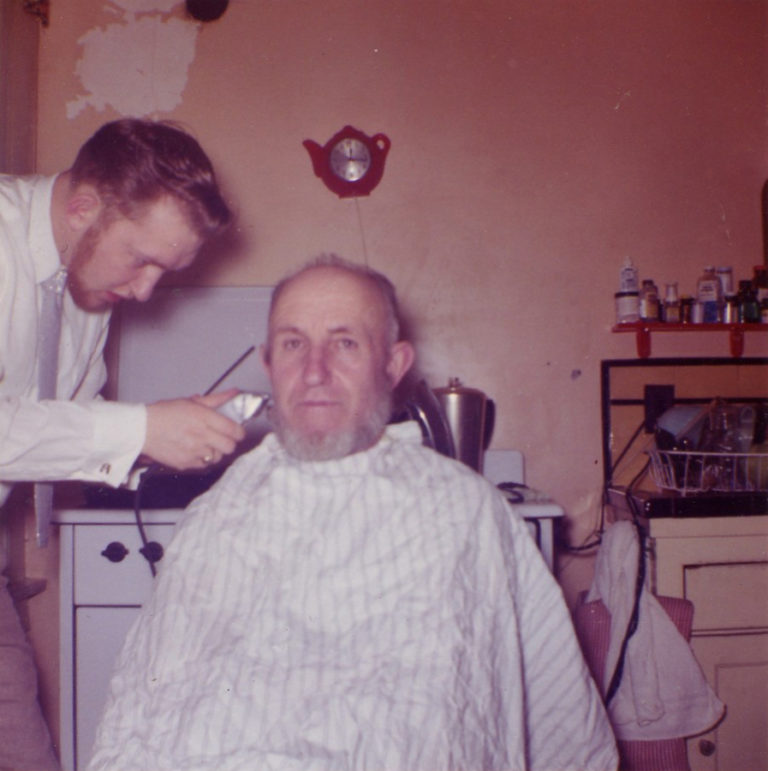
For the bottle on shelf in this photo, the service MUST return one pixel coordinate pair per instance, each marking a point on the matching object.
(628, 279)
(725, 277)
(627, 299)
(749, 307)
(671, 307)
(649, 301)
(731, 309)
(686, 309)
(760, 282)
(627, 307)
(709, 295)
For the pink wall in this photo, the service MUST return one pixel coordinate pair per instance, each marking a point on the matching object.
(534, 145)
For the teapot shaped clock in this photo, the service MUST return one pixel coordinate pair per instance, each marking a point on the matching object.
(350, 163)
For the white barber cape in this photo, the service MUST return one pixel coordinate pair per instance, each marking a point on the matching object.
(382, 611)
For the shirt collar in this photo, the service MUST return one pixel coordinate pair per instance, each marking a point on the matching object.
(46, 260)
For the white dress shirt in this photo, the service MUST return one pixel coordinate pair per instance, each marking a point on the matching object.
(83, 439)
(387, 610)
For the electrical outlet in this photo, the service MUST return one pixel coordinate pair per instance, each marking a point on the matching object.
(657, 399)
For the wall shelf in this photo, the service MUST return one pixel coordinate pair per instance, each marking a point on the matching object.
(644, 329)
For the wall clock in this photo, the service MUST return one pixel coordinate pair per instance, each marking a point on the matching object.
(350, 163)
(206, 10)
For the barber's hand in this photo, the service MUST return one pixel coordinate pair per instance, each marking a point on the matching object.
(189, 434)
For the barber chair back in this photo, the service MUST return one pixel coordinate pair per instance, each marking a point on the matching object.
(593, 626)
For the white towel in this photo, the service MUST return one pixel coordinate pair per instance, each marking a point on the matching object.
(663, 692)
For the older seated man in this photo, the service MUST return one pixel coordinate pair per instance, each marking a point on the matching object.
(346, 598)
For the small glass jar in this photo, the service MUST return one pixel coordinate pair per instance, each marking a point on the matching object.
(731, 310)
(760, 281)
(749, 306)
(686, 309)
(671, 307)
(725, 276)
(709, 294)
(649, 301)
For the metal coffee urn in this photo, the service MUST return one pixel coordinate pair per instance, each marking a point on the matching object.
(470, 416)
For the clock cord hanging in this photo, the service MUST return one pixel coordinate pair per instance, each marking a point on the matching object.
(350, 164)
(362, 231)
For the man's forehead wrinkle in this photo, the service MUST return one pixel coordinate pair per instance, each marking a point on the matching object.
(295, 328)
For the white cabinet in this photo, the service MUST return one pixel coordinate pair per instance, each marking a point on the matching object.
(99, 600)
(721, 565)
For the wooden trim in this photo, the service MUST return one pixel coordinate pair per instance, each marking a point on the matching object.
(19, 40)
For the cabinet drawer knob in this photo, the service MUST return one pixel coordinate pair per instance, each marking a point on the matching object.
(707, 747)
(115, 552)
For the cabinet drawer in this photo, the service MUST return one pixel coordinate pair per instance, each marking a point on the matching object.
(728, 595)
(99, 581)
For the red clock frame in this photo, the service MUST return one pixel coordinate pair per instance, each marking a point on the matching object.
(378, 147)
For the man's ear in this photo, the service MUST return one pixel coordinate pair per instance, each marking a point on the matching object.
(401, 358)
(84, 205)
(264, 356)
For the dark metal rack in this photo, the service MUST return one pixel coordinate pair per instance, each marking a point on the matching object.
(667, 503)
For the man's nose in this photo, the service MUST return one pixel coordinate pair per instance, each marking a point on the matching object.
(316, 369)
(144, 284)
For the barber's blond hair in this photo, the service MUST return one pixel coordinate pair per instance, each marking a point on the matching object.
(132, 163)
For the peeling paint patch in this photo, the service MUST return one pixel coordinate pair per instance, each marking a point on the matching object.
(138, 65)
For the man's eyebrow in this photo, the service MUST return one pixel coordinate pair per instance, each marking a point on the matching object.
(290, 329)
(161, 262)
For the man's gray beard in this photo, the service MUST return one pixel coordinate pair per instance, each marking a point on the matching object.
(336, 444)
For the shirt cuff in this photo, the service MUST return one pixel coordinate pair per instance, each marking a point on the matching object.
(120, 431)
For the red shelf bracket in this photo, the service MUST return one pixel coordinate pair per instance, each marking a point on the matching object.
(737, 342)
(643, 342)
(644, 330)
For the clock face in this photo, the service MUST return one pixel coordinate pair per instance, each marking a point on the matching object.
(350, 159)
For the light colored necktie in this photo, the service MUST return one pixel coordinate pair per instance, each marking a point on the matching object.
(48, 365)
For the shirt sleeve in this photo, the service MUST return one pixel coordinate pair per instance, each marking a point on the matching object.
(94, 441)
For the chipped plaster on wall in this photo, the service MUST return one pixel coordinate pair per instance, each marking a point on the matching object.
(137, 65)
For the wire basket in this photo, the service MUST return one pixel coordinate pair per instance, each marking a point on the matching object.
(700, 472)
